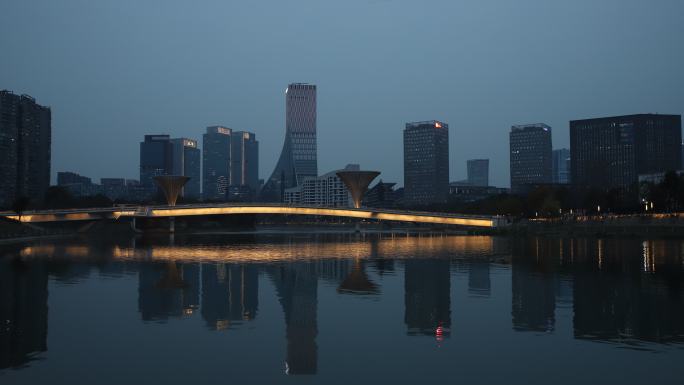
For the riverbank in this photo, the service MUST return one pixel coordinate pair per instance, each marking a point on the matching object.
(639, 225)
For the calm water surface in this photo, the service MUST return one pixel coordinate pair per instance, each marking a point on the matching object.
(342, 309)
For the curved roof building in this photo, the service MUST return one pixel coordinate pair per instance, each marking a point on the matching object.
(298, 159)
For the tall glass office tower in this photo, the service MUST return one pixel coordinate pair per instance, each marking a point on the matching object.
(185, 161)
(231, 161)
(298, 159)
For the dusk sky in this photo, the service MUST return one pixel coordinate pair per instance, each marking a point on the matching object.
(113, 71)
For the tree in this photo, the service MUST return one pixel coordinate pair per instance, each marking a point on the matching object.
(58, 197)
(20, 205)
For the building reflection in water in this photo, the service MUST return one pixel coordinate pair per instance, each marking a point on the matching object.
(533, 287)
(636, 295)
(427, 297)
(230, 294)
(167, 290)
(622, 291)
(23, 311)
(297, 287)
(478, 278)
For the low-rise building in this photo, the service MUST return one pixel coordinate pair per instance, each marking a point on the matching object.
(326, 190)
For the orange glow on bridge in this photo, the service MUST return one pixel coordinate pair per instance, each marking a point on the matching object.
(228, 209)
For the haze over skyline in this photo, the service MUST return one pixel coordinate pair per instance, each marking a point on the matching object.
(115, 71)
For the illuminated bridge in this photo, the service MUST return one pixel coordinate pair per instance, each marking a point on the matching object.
(198, 210)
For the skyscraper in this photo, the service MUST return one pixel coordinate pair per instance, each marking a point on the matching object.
(216, 162)
(561, 166)
(478, 172)
(426, 162)
(298, 159)
(25, 140)
(231, 159)
(186, 161)
(607, 153)
(244, 160)
(155, 159)
(530, 146)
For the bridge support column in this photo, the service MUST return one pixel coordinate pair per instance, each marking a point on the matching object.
(172, 225)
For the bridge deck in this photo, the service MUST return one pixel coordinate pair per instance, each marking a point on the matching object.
(235, 209)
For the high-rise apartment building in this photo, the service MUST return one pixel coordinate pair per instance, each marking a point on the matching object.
(25, 140)
(298, 159)
(478, 172)
(561, 166)
(155, 159)
(611, 152)
(185, 160)
(231, 163)
(426, 162)
(530, 156)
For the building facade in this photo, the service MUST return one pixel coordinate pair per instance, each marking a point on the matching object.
(381, 195)
(561, 166)
(216, 162)
(185, 160)
(244, 161)
(327, 190)
(530, 156)
(114, 188)
(25, 142)
(298, 159)
(610, 153)
(231, 164)
(77, 185)
(426, 162)
(465, 192)
(155, 159)
(478, 172)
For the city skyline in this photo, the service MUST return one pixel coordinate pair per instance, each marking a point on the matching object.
(318, 191)
(490, 75)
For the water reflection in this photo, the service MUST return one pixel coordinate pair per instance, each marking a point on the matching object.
(230, 294)
(619, 291)
(427, 297)
(622, 291)
(23, 311)
(297, 289)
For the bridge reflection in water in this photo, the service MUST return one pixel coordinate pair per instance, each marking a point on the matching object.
(626, 292)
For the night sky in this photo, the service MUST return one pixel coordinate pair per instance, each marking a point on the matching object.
(113, 71)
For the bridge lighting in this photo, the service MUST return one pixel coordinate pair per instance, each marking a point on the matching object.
(229, 209)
